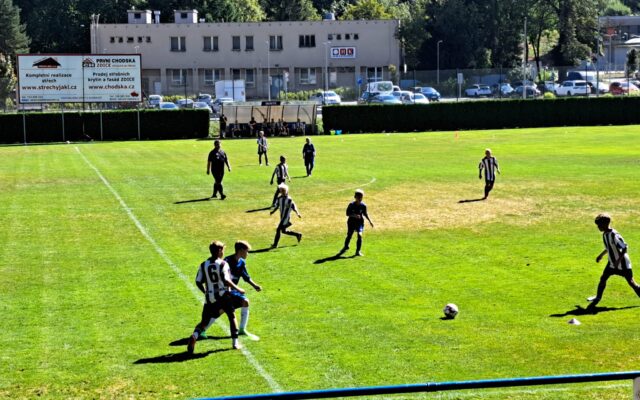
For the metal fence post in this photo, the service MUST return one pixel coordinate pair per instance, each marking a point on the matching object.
(24, 127)
(636, 389)
(138, 107)
(62, 114)
(101, 133)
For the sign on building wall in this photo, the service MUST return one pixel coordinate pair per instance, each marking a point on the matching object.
(343, 52)
(95, 78)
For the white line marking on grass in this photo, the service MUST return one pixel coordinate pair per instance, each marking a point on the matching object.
(196, 293)
(357, 187)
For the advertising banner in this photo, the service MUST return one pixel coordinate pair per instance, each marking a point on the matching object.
(95, 78)
(343, 52)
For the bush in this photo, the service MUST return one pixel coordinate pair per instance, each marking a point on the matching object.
(548, 95)
(116, 125)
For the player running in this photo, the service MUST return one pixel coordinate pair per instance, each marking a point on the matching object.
(238, 268)
(281, 173)
(214, 280)
(619, 262)
(285, 204)
(490, 166)
(356, 213)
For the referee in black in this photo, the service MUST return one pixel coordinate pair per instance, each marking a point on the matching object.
(490, 166)
(215, 164)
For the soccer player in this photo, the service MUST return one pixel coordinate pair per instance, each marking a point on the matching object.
(281, 173)
(262, 148)
(285, 204)
(215, 164)
(214, 280)
(309, 155)
(238, 268)
(619, 262)
(356, 213)
(490, 166)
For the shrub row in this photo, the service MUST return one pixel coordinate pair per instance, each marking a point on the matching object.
(491, 114)
(116, 125)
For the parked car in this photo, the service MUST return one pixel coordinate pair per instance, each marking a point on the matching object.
(531, 91)
(205, 98)
(502, 89)
(383, 98)
(602, 87)
(219, 102)
(366, 97)
(413, 98)
(202, 105)
(184, 103)
(477, 91)
(550, 86)
(167, 105)
(430, 93)
(618, 88)
(572, 88)
(326, 97)
(154, 100)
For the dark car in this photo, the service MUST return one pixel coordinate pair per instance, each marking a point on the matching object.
(532, 91)
(430, 93)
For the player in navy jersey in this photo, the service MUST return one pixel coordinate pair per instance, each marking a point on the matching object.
(215, 163)
(619, 262)
(309, 155)
(490, 166)
(356, 213)
(238, 268)
(214, 280)
(285, 204)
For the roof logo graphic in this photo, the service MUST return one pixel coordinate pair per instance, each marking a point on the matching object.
(48, 62)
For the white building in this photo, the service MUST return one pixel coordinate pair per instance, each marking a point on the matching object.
(190, 54)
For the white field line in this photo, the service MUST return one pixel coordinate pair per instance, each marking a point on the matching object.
(196, 293)
(357, 187)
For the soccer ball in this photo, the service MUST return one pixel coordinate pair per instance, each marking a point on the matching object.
(450, 310)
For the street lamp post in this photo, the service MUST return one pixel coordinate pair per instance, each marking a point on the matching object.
(268, 72)
(438, 61)
(326, 69)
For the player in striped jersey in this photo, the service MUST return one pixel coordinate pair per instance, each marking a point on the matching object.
(619, 262)
(490, 166)
(356, 213)
(214, 280)
(281, 173)
(285, 204)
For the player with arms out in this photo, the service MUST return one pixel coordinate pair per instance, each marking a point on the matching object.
(619, 262)
(285, 204)
(356, 213)
(490, 166)
(214, 280)
(238, 267)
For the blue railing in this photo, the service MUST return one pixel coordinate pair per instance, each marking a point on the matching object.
(441, 386)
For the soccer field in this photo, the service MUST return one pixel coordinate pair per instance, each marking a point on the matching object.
(100, 244)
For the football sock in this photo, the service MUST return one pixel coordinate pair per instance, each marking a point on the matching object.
(244, 317)
(234, 342)
(196, 334)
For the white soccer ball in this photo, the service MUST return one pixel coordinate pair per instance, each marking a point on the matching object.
(450, 310)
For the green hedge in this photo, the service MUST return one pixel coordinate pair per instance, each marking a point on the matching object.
(116, 125)
(491, 114)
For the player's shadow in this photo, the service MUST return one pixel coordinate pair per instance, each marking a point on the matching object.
(335, 257)
(193, 201)
(300, 177)
(177, 357)
(579, 310)
(267, 249)
(258, 209)
(471, 200)
(185, 341)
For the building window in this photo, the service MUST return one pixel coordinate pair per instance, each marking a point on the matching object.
(250, 78)
(248, 45)
(178, 77)
(275, 43)
(178, 43)
(112, 39)
(355, 36)
(235, 73)
(137, 15)
(307, 41)
(130, 39)
(148, 39)
(235, 43)
(140, 39)
(329, 37)
(210, 43)
(120, 39)
(338, 36)
(218, 74)
(347, 36)
(209, 79)
(307, 76)
(183, 15)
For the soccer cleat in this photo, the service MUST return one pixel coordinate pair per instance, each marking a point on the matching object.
(592, 298)
(299, 236)
(359, 254)
(249, 335)
(213, 196)
(203, 335)
(222, 197)
(191, 345)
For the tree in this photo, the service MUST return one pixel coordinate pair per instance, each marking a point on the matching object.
(289, 10)
(413, 32)
(577, 30)
(367, 9)
(632, 62)
(13, 37)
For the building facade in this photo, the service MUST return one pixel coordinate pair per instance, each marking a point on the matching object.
(190, 55)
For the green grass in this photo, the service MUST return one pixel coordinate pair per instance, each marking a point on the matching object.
(84, 295)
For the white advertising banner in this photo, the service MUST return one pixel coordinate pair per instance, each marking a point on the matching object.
(343, 52)
(95, 78)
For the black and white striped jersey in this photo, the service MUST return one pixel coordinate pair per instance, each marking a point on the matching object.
(285, 204)
(489, 164)
(262, 144)
(615, 245)
(214, 274)
(281, 172)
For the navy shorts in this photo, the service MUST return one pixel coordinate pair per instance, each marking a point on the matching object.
(355, 227)
(237, 299)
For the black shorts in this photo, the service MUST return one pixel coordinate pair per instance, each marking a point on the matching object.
(215, 309)
(625, 273)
